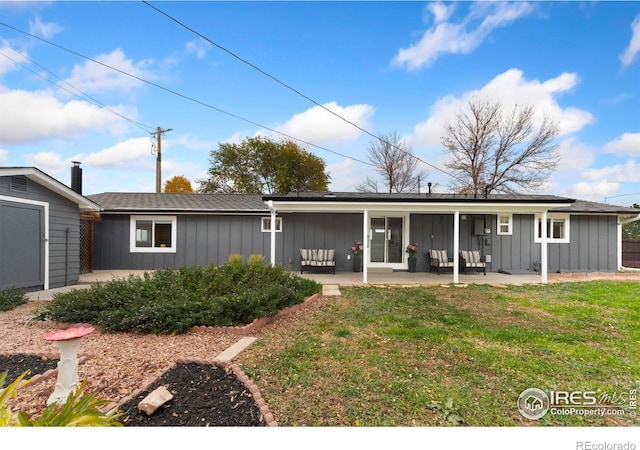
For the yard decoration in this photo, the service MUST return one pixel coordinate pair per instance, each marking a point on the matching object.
(68, 341)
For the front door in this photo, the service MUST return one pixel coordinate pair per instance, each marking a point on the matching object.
(387, 239)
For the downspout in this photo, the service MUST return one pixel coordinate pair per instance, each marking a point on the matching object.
(619, 249)
(66, 257)
(273, 233)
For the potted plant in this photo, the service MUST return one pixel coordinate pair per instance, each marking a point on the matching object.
(356, 250)
(412, 260)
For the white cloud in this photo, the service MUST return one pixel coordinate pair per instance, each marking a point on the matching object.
(510, 88)
(48, 162)
(190, 142)
(627, 144)
(45, 30)
(632, 50)
(344, 175)
(594, 191)
(123, 154)
(3, 155)
(574, 156)
(10, 62)
(629, 172)
(97, 77)
(440, 11)
(198, 47)
(319, 126)
(458, 38)
(39, 115)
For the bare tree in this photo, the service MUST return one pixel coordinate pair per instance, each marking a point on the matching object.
(496, 150)
(394, 161)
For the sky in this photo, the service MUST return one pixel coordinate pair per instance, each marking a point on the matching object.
(93, 81)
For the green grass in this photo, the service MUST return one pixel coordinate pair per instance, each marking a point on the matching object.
(446, 356)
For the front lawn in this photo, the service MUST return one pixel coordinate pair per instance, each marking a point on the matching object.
(440, 356)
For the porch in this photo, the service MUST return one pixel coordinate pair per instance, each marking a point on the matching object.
(403, 278)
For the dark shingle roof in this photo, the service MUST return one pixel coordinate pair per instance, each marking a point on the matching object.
(149, 202)
(255, 203)
(584, 206)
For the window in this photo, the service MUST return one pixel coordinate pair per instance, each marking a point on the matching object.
(266, 224)
(153, 234)
(557, 228)
(505, 224)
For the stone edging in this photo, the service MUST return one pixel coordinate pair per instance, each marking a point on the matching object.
(37, 378)
(237, 371)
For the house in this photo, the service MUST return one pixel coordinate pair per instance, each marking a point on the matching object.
(50, 233)
(513, 233)
(39, 229)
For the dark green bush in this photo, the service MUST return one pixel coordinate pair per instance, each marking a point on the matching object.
(174, 300)
(11, 298)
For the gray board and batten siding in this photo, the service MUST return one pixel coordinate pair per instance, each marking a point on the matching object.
(22, 235)
(211, 227)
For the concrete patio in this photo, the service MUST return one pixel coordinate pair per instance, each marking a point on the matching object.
(332, 283)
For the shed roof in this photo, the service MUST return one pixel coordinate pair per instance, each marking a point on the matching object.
(38, 176)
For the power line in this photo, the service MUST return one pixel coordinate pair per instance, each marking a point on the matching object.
(84, 95)
(186, 97)
(277, 80)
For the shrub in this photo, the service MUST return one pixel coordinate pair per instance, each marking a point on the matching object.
(236, 258)
(172, 301)
(11, 298)
(79, 409)
(256, 259)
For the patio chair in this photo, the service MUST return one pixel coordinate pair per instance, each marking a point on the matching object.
(470, 260)
(438, 260)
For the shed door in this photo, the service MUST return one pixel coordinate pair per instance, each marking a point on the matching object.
(21, 245)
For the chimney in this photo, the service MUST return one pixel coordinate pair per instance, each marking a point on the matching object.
(76, 177)
(429, 185)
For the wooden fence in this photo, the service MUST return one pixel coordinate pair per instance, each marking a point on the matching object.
(631, 253)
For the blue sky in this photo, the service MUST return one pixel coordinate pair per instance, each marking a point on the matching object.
(403, 67)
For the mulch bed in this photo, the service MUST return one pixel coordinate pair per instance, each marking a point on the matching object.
(203, 395)
(16, 365)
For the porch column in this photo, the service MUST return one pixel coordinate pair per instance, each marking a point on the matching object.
(365, 244)
(273, 233)
(543, 248)
(619, 244)
(456, 246)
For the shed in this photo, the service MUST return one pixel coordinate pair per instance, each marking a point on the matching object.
(39, 230)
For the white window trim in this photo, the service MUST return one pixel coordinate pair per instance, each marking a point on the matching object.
(509, 232)
(266, 229)
(132, 235)
(551, 217)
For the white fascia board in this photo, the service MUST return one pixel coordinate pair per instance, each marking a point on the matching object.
(439, 207)
(53, 185)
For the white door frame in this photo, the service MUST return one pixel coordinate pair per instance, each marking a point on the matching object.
(405, 239)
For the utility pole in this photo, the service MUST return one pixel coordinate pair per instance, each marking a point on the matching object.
(158, 133)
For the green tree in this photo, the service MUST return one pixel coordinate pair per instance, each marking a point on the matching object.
(632, 230)
(178, 184)
(261, 166)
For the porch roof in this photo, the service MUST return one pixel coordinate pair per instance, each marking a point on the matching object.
(415, 202)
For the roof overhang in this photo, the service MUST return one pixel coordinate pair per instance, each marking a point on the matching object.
(52, 184)
(439, 207)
